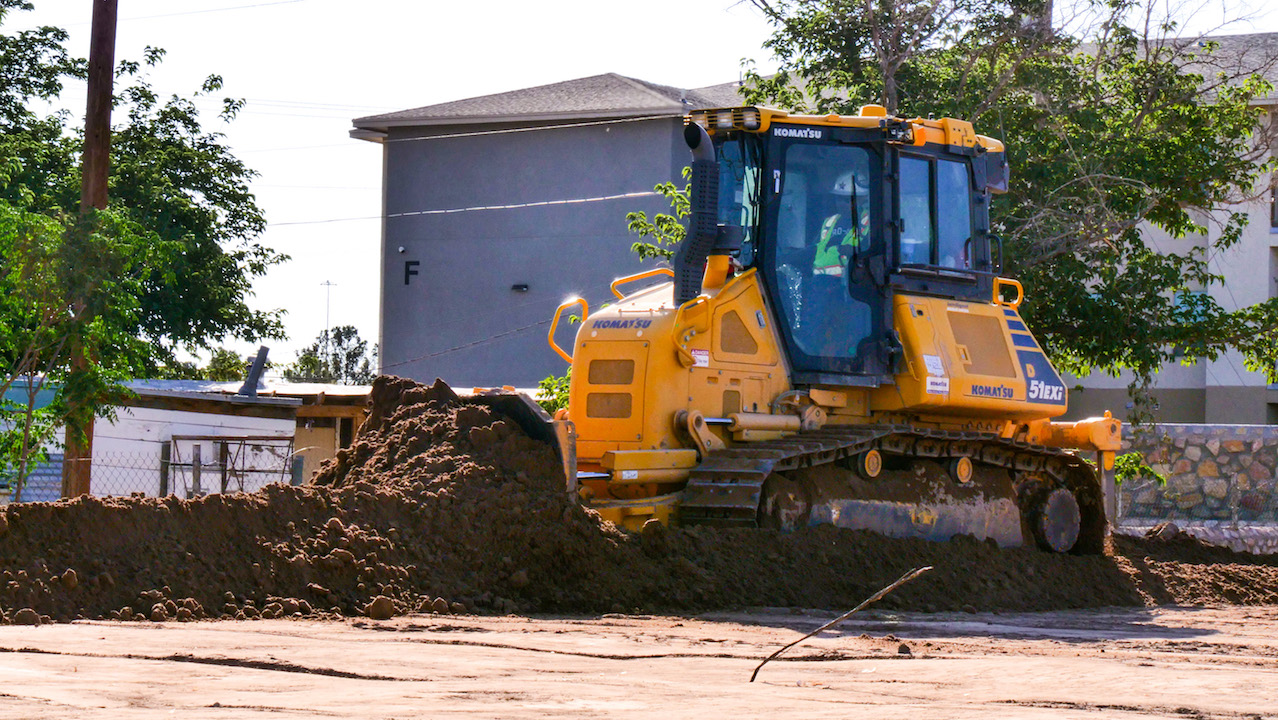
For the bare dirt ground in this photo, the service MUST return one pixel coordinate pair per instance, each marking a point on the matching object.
(1113, 663)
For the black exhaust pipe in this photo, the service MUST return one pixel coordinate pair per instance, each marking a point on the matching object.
(703, 228)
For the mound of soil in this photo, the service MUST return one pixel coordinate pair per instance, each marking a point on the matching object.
(446, 506)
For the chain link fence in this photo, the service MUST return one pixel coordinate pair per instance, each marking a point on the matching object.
(185, 466)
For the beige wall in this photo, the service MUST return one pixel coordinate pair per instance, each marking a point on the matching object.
(1175, 405)
(1237, 405)
(315, 445)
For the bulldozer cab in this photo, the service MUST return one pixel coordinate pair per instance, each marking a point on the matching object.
(838, 219)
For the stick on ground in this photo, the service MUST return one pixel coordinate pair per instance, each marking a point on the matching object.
(872, 599)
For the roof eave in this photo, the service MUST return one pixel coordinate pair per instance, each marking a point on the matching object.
(375, 125)
(376, 136)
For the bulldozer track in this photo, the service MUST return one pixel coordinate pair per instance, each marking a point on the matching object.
(725, 488)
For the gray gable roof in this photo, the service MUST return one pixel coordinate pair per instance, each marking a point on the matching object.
(601, 96)
(1235, 58)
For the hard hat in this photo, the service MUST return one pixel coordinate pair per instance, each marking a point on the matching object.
(843, 186)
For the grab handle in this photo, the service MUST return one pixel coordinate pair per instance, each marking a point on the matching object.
(640, 276)
(554, 324)
(1002, 282)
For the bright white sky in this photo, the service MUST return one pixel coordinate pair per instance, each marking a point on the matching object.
(307, 67)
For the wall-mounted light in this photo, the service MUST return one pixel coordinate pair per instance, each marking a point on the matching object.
(519, 287)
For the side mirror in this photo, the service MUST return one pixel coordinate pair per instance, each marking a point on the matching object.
(997, 174)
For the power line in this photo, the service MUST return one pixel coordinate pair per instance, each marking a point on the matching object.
(451, 211)
(317, 187)
(466, 345)
(300, 147)
(213, 10)
(192, 12)
(316, 105)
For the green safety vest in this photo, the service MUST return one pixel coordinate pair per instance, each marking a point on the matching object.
(827, 260)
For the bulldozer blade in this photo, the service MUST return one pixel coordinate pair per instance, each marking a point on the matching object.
(538, 425)
(922, 501)
(997, 519)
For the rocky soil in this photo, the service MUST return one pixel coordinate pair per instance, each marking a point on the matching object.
(448, 507)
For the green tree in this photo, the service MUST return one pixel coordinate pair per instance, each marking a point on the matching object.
(169, 175)
(167, 266)
(225, 366)
(337, 356)
(1111, 133)
(45, 264)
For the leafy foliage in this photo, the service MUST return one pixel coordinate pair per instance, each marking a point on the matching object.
(1132, 466)
(664, 230)
(65, 284)
(169, 175)
(225, 366)
(1116, 139)
(339, 356)
(88, 300)
(553, 392)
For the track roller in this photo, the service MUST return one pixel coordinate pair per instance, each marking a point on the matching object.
(961, 470)
(1055, 520)
(868, 464)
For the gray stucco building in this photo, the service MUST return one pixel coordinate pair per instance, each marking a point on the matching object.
(497, 208)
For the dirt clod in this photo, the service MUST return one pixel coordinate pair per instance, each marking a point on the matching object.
(381, 608)
(26, 616)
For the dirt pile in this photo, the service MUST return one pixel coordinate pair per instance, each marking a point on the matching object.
(449, 507)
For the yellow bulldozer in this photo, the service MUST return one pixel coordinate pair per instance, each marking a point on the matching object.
(833, 344)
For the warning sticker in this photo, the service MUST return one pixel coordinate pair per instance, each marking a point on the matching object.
(938, 386)
(934, 365)
(700, 358)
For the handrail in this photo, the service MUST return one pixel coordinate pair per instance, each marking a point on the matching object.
(1000, 283)
(639, 276)
(691, 318)
(550, 337)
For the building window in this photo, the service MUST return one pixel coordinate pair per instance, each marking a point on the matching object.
(1273, 209)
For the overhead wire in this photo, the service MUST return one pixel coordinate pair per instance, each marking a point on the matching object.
(210, 10)
(451, 211)
(511, 206)
(191, 12)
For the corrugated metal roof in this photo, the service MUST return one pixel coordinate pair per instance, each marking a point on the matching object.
(267, 390)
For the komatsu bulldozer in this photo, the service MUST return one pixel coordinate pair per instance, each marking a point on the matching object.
(833, 344)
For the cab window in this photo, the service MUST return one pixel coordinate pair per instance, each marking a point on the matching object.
(936, 216)
(916, 211)
(953, 215)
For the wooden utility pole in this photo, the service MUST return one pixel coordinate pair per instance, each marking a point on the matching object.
(77, 462)
(97, 115)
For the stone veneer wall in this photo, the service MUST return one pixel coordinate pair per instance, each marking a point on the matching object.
(1222, 483)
